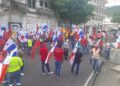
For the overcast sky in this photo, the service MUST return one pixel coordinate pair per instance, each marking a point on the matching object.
(113, 3)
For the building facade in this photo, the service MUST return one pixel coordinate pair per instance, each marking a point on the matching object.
(99, 13)
(26, 14)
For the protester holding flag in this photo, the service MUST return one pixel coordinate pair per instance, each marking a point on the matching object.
(29, 45)
(72, 40)
(96, 60)
(66, 49)
(77, 60)
(14, 71)
(43, 53)
(58, 54)
(20, 54)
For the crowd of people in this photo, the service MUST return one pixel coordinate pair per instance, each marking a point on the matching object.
(86, 45)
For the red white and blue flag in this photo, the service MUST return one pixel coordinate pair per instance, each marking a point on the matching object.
(9, 46)
(72, 55)
(5, 64)
(50, 53)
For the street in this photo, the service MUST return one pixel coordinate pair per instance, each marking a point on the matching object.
(33, 75)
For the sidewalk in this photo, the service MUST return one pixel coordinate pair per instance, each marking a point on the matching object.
(109, 75)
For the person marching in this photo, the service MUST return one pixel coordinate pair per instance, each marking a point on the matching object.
(58, 54)
(20, 54)
(29, 45)
(66, 49)
(77, 61)
(43, 54)
(96, 59)
(14, 71)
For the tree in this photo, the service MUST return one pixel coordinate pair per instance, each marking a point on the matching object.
(74, 11)
(116, 19)
(114, 12)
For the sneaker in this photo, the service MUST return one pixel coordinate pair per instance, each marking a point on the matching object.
(93, 72)
(43, 74)
(58, 77)
(50, 73)
(89, 63)
(22, 74)
(4, 82)
(97, 72)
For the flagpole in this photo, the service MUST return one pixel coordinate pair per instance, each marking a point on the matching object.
(10, 9)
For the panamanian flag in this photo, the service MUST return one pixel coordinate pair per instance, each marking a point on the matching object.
(9, 46)
(11, 49)
(50, 53)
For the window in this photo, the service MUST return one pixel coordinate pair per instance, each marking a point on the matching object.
(31, 3)
(41, 2)
(46, 4)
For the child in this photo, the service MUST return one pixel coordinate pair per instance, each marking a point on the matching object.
(20, 54)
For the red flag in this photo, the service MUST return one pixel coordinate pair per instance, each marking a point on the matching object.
(94, 35)
(99, 35)
(37, 29)
(37, 44)
(3, 70)
(10, 31)
(6, 35)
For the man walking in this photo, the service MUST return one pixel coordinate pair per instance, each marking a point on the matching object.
(14, 72)
(77, 61)
(58, 54)
(43, 54)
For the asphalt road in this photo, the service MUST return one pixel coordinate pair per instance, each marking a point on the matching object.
(33, 74)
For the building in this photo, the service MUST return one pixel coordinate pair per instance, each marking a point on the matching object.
(99, 13)
(26, 14)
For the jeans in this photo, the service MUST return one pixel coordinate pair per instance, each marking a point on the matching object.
(77, 67)
(14, 77)
(107, 53)
(29, 50)
(57, 68)
(43, 67)
(96, 65)
(84, 49)
(73, 44)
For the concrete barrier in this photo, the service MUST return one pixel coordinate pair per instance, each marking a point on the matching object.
(115, 56)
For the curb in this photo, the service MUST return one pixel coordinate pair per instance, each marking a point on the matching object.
(96, 75)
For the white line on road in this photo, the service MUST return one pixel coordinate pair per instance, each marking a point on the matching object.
(88, 80)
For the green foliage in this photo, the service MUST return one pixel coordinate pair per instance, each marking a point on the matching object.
(116, 19)
(74, 11)
(114, 12)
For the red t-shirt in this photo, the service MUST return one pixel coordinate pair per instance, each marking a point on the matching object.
(58, 54)
(43, 53)
(84, 41)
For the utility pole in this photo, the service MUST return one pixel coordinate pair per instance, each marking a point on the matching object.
(10, 9)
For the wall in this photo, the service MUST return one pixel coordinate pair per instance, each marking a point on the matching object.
(4, 20)
(115, 56)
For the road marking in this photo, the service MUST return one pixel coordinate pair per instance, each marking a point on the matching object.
(88, 80)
